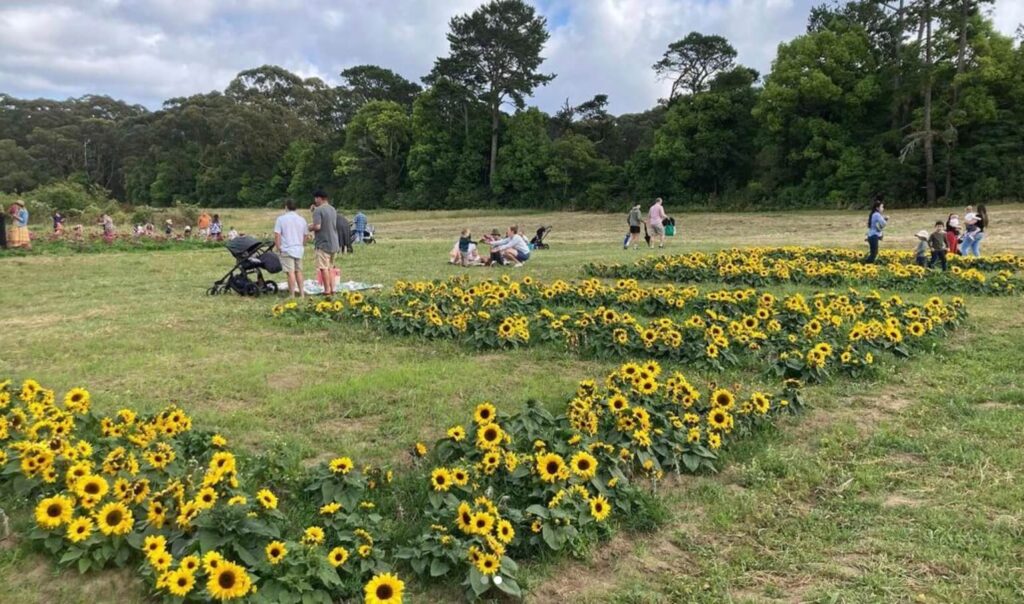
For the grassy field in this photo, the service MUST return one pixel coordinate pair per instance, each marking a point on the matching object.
(902, 489)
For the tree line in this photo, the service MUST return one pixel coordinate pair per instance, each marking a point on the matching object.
(919, 100)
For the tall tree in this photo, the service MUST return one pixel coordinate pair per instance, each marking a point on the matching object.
(495, 53)
(693, 61)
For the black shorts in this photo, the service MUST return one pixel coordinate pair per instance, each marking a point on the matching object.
(634, 229)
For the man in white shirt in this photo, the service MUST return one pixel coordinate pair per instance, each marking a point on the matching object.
(513, 248)
(290, 241)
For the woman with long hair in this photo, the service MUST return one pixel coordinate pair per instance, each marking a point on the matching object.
(972, 245)
(876, 223)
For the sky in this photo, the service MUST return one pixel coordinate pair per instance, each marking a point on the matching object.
(145, 51)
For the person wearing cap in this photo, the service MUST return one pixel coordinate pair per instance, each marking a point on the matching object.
(921, 253)
(19, 236)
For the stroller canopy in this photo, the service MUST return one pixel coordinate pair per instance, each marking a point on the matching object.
(241, 246)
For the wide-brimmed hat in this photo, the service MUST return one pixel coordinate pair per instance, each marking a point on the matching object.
(169, 221)
(922, 234)
(19, 202)
(495, 233)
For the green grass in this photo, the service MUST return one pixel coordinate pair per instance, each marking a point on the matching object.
(904, 488)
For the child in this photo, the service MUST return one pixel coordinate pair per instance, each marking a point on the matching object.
(922, 247)
(937, 243)
(464, 242)
(215, 229)
(952, 232)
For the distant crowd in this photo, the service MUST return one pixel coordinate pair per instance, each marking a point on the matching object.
(953, 235)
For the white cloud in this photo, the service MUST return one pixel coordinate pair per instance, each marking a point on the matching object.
(149, 50)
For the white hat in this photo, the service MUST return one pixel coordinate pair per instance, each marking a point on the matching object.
(922, 234)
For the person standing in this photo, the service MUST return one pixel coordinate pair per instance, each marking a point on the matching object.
(876, 223)
(976, 223)
(290, 239)
(203, 224)
(19, 230)
(937, 244)
(634, 219)
(325, 239)
(656, 220)
(359, 232)
(215, 228)
(107, 223)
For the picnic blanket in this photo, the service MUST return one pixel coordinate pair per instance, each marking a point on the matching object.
(312, 288)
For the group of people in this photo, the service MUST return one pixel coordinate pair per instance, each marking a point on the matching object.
(331, 232)
(19, 236)
(512, 249)
(657, 220)
(963, 238)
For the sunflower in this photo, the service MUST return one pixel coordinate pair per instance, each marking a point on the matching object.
(464, 517)
(599, 508)
(160, 560)
(329, 509)
(365, 550)
(719, 418)
(337, 556)
(212, 561)
(189, 563)
(617, 403)
(550, 466)
(487, 564)
(267, 499)
(54, 511)
(313, 535)
(114, 519)
(341, 465)
(583, 465)
(180, 582)
(91, 487)
(156, 514)
(714, 440)
(153, 544)
(79, 529)
(228, 581)
(723, 399)
(505, 531)
(275, 552)
(653, 368)
(384, 589)
(206, 498)
(77, 400)
(460, 476)
(481, 523)
(457, 433)
(489, 436)
(484, 413)
(647, 387)
(441, 479)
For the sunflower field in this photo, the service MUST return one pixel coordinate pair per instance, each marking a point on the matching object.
(825, 267)
(200, 522)
(795, 336)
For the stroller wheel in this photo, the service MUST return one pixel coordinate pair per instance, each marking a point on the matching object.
(213, 291)
(270, 288)
(252, 290)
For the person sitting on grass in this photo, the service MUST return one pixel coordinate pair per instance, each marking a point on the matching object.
(937, 243)
(513, 248)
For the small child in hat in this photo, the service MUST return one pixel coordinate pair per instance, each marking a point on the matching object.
(921, 253)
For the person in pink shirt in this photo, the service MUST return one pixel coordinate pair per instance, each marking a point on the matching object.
(656, 220)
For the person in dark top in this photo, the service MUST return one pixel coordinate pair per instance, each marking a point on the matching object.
(465, 240)
(344, 234)
(937, 244)
(3, 230)
(58, 223)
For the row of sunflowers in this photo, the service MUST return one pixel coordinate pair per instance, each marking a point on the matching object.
(797, 336)
(201, 522)
(758, 267)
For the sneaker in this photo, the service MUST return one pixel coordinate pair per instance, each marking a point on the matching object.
(517, 265)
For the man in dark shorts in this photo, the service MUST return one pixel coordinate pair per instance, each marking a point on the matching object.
(635, 219)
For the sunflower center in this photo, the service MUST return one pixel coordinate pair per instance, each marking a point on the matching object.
(226, 579)
(114, 517)
(490, 434)
(92, 488)
(384, 592)
(583, 464)
(182, 581)
(54, 510)
(552, 467)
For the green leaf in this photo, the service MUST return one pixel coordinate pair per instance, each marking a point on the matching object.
(510, 586)
(439, 567)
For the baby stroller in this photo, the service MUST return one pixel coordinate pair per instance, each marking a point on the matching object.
(252, 257)
(537, 243)
(369, 234)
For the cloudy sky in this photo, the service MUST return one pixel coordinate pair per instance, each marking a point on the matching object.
(145, 51)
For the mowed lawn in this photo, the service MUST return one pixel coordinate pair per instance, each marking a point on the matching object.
(904, 488)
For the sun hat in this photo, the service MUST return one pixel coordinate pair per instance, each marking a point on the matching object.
(169, 221)
(922, 234)
(19, 202)
(495, 233)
